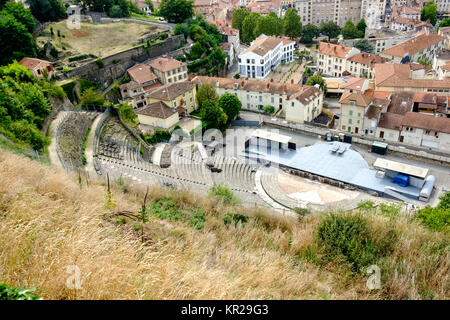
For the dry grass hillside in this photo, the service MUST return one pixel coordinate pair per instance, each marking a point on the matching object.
(194, 248)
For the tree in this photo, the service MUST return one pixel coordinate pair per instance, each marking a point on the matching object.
(270, 25)
(429, 12)
(230, 104)
(364, 45)
(90, 98)
(361, 26)
(291, 24)
(115, 12)
(269, 109)
(196, 51)
(444, 23)
(316, 79)
(47, 10)
(330, 29)
(239, 16)
(213, 114)
(249, 27)
(349, 31)
(16, 41)
(437, 219)
(206, 92)
(181, 28)
(176, 11)
(21, 14)
(309, 32)
(128, 115)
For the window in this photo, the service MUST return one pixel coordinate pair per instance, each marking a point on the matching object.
(349, 121)
(350, 112)
(359, 114)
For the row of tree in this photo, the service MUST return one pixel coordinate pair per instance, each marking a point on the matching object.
(251, 25)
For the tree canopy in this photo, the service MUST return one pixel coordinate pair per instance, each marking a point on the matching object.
(47, 10)
(429, 12)
(230, 104)
(316, 79)
(330, 29)
(349, 31)
(291, 24)
(239, 16)
(270, 25)
(212, 113)
(444, 23)
(16, 41)
(176, 11)
(249, 32)
(21, 14)
(206, 92)
(361, 26)
(364, 45)
(309, 32)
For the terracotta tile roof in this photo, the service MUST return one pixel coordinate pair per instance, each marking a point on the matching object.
(378, 94)
(225, 46)
(425, 97)
(157, 109)
(403, 20)
(166, 64)
(171, 91)
(376, 107)
(141, 73)
(354, 83)
(33, 63)
(336, 50)
(414, 45)
(368, 59)
(360, 99)
(401, 102)
(427, 122)
(417, 66)
(263, 45)
(398, 75)
(255, 85)
(390, 121)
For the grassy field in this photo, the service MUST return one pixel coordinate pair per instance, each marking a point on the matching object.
(98, 39)
(200, 247)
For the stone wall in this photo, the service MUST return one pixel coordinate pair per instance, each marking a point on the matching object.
(116, 65)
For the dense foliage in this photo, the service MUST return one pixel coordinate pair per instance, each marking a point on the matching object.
(292, 26)
(230, 104)
(47, 10)
(128, 115)
(24, 105)
(350, 31)
(429, 12)
(8, 292)
(176, 11)
(316, 79)
(364, 45)
(16, 27)
(206, 92)
(437, 219)
(330, 29)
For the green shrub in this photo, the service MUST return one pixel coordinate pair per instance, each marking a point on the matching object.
(197, 219)
(437, 219)
(99, 63)
(79, 57)
(8, 292)
(349, 238)
(236, 218)
(223, 193)
(269, 109)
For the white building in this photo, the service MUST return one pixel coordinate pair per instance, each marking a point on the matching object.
(332, 58)
(264, 55)
(293, 101)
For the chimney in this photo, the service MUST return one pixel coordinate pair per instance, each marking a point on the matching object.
(267, 85)
(292, 81)
(271, 79)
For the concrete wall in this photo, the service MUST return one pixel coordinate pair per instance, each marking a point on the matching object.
(117, 64)
(158, 122)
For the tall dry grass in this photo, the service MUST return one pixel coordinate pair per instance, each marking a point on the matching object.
(47, 223)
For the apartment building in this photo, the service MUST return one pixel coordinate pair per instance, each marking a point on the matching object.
(321, 11)
(293, 101)
(423, 46)
(142, 80)
(178, 95)
(395, 77)
(157, 114)
(264, 55)
(332, 58)
(363, 64)
(441, 64)
(373, 12)
(353, 108)
(425, 130)
(169, 70)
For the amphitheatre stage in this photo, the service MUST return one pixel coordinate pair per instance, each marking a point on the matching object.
(343, 165)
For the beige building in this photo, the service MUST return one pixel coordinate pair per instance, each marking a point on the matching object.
(426, 130)
(363, 64)
(158, 115)
(293, 101)
(322, 11)
(395, 77)
(169, 70)
(423, 46)
(332, 58)
(179, 95)
(353, 108)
